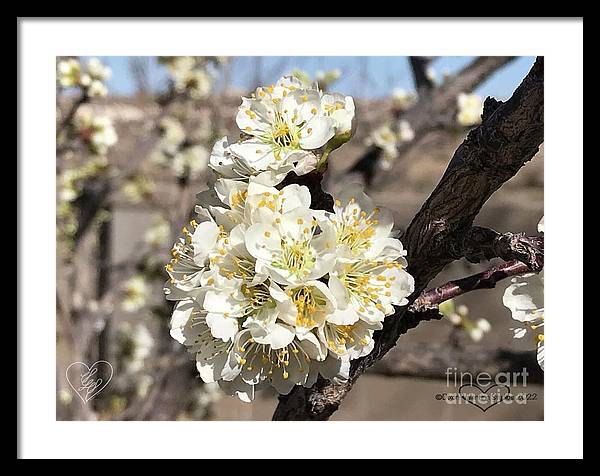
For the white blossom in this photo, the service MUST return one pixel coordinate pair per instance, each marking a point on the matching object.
(284, 126)
(177, 151)
(525, 299)
(96, 131)
(158, 233)
(69, 73)
(369, 276)
(269, 290)
(97, 89)
(69, 190)
(470, 108)
(479, 328)
(389, 139)
(191, 254)
(140, 343)
(431, 74)
(173, 133)
(384, 138)
(191, 161)
(137, 188)
(341, 109)
(229, 165)
(197, 83)
(284, 122)
(65, 396)
(136, 292)
(405, 131)
(215, 359)
(189, 75)
(272, 292)
(289, 249)
(97, 70)
(403, 99)
(326, 78)
(459, 316)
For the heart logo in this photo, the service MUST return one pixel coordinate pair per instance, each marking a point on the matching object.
(89, 381)
(480, 398)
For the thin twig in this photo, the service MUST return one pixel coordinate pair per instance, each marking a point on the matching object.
(431, 298)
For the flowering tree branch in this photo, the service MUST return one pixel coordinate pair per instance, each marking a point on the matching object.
(432, 361)
(509, 136)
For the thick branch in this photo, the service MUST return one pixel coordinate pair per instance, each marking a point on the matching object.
(478, 244)
(509, 136)
(433, 361)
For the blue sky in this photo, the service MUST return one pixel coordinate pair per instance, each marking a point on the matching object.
(384, 73)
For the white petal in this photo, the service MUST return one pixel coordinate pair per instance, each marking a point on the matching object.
(239, 388)
(525, 297)
(317, 132)
(339, 291)
(305, 162)
(179, 319)
(275, 335)
(253, 116)
(262, 240)
(402, 286)
(540, 354)
(257, 154)
(274, 176)
(295, 196)
(228, 188)
(204, 240)
(343, 317)
(210, 370)
(221, 327)
(295, 222)
(313, 347)
(323, 265)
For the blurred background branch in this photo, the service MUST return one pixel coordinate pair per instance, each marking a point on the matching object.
(433, 361)
(434, 107)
